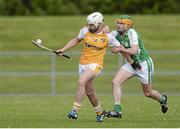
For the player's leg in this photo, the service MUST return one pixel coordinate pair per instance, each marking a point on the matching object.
(94, 101)
(149, 92)
(117, 82)
(146, 77)
(87, 75)
(91, 93)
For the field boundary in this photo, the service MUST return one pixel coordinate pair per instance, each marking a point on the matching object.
(53, 73)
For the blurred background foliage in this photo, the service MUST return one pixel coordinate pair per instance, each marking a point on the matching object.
(75, 7)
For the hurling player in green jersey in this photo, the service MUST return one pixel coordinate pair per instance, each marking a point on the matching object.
(133, 45)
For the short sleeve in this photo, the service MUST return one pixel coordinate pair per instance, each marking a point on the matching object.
(112, 41)
(133, 37)
(82, 33)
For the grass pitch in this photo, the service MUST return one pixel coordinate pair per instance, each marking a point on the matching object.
(51, 111)
(159, 32)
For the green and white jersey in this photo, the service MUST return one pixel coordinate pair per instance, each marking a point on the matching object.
(130, 38)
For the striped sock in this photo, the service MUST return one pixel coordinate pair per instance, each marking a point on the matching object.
(98, 109)
(76, 106)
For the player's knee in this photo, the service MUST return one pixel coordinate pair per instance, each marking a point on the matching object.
(89, 92)
(147, 94)
(81, 83)
(115, 82)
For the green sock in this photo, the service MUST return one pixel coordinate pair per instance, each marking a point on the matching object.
(117, 108)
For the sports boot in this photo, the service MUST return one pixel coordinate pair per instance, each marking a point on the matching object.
(99, 118)
(164, 106)
(73, 115)
(114, 114)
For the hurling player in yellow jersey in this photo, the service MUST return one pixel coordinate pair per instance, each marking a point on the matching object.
(95, 40)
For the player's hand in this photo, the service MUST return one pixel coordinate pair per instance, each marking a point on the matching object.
(59, 52)
(121, 48)
(115, 50)
(136, 66)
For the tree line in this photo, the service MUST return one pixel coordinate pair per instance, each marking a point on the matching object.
(75, 7)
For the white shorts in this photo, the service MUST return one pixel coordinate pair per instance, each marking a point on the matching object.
(95, 67)
(146, 74)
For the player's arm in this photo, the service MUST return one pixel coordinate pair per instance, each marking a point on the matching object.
(128, 58)
(106, 29)
(69, 45)
(126, 55)
(135, 65)
(74, 41)
(115, 48)
(131, 51)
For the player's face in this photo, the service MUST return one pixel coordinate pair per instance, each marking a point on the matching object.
(91, 28)
(120, 27)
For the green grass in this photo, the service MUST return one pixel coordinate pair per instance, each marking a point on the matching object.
(50, 111)
(159, 32)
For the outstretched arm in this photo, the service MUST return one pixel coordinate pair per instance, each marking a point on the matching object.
(69, 45)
